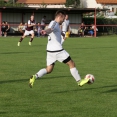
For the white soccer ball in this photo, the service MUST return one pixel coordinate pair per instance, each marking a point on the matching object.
(91, 78)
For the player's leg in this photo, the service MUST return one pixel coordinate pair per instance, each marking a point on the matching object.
(65, 58)
(32, 37)
(5, 33)
(75, 73)
(40, 74)
(50, 65)
(22, 37)
(73, 69)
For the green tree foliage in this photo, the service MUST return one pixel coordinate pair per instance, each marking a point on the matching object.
(10, 3)
(72, 3)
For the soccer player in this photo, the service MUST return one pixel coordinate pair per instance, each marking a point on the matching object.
(65, 27)
(29, 30)
(55, 51)
(43, 21)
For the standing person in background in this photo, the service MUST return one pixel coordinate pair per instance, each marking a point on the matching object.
(55, 51)
(82, 27)
(29, 30)
(43, 22)
(39, 29)
(3, 28)
(93, 27)
(65, 27)
(7, 28)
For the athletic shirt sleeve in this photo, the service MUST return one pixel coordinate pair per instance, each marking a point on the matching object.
(52, 25)
(64, 26)
(29, 22)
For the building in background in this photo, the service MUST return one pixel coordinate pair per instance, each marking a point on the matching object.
(44, 3)
(90, 4)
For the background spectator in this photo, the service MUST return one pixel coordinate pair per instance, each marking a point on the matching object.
(82, 27)
(43, 21)
(39, 29)
(92, 30)
(3, 28)
(21, 28)
(24, 27)
(86, 31)
(7, 28)
(80, 34)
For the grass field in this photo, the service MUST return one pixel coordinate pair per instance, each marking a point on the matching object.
(57, 94)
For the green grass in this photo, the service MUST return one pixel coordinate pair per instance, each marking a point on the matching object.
(57, 94)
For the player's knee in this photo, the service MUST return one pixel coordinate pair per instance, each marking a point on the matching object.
(71, 64)
(49, 71)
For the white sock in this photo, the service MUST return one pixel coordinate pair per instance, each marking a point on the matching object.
(41, 73)
(75, 74)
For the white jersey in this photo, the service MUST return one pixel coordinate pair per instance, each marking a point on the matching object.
(54, 38)
(43, 21)
(65, 25)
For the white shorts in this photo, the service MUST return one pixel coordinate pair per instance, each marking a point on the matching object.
(28, 32)
(52, 57)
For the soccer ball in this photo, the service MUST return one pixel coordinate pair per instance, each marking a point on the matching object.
(91, 78)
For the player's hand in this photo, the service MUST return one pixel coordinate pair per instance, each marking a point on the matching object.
(33, 24)
(64, 38)
(43, 32)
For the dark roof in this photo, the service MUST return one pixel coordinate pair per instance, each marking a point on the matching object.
(51, 10)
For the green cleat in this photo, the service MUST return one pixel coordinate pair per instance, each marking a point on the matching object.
(29, 43)
(18, 44)
(32, 80)
(82, 82)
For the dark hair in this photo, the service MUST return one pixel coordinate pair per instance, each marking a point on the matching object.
(60, 12)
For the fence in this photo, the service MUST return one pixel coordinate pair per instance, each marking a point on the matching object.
(102, 29)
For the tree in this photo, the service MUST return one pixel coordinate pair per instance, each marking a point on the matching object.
(72, 3)
(10, 3)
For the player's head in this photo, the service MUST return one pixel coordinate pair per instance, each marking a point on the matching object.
(32, 17)
(60, 16)
(66, 17)
(3, 22)
(44, 16)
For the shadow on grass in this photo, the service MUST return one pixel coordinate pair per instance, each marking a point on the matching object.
(111, 91)
(24, 80)
(13, 52)
(3, 113)
(11, 81)
(84, 89)
(97, 48)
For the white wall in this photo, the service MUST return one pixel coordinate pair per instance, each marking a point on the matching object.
(90, 4)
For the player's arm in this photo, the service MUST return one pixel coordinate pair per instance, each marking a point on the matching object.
(62, 34)
(50, 28)
(47, 31)
(30, 24)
